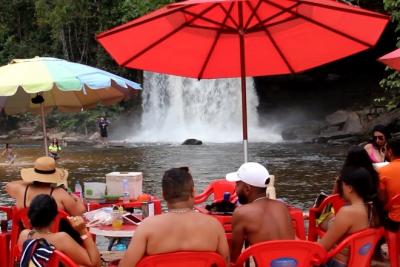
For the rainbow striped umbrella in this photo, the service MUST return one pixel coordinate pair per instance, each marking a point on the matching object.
(66, 85)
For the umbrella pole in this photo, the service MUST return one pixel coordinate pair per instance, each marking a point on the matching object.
(46, 148)
(243, 81)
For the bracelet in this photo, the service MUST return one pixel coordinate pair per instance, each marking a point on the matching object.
(85, 236)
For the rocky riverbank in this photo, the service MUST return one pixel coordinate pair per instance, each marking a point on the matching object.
(344, 126)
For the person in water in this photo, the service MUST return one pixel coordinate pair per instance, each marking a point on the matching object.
(54, 149)
(103, 124)
(357, 186)
(9, 154)
(181, 229)
(259, 218)
(41, 213)
(376, 149)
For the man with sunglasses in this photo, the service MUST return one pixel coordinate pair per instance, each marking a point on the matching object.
(389, 176)
(376, 149)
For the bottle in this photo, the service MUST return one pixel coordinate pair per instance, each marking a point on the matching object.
(117, 217)
(125, 191)
(119, 247)
(78, 189)
(227, 197)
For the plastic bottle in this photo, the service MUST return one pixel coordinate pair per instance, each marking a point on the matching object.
(119, 247)
(125, 191)
(78, 189)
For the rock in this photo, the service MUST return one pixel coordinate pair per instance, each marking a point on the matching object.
(5, 136)
(26, 130)
(70, 139)
(384, 119)
(94, 136)
(307, 131)
(337, 117)
(35, 137)
(192, 142)
(59, 135)
(353, 123)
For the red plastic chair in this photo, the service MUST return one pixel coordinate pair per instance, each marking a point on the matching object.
(5, 236)
(299, 253)
(313, 230)
(361, 246)
(20, 222)
(7, 210)
(393, 238)
(59, 257)
(217, 188)
(298, 222)
(183, 259)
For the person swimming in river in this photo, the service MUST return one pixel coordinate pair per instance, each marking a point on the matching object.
(376, 148)
(9, 154)
(54, 149)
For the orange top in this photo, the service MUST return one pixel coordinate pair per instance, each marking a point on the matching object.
(389, 176)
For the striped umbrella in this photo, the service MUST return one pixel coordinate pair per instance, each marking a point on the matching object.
(66, 85)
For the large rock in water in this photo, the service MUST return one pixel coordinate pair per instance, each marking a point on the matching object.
(192, 142)
(337, 117)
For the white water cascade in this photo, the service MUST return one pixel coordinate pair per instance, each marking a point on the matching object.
(175, 109)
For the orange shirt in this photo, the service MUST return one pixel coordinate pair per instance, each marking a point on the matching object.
(389, 177)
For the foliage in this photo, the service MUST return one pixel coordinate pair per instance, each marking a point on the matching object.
(66, 29)
(391, 83)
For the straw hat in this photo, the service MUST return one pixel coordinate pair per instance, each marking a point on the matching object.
(45, 171)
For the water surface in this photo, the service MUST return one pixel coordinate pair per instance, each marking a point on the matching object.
(301, 170)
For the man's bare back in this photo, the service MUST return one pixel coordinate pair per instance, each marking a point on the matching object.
(264, 220)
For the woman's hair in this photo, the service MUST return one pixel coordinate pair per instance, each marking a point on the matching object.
(42, 210)
(358, 157)
(382, 129)
(362, 182)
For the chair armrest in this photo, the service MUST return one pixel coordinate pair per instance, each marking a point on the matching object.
(202, 197)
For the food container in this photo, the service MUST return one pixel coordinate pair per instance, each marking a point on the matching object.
(94, 190)
(114, 181)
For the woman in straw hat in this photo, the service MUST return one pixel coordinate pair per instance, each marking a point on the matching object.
(44, 178)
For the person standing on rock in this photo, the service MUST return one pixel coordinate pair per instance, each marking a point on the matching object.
(376, 149)
(103, 124)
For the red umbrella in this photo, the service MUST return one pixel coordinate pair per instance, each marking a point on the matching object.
(392, 59)
(231, 38)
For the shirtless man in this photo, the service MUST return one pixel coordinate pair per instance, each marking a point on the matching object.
(259, 218)
(44, 179)
(181, 229)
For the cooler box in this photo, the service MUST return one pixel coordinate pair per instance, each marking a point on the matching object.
(115, 185)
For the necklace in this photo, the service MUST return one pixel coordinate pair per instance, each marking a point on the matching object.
(259, 198)
(182, 210)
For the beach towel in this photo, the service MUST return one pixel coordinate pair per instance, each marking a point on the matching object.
(36, 253)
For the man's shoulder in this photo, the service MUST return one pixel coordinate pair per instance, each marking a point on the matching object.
(391, 168)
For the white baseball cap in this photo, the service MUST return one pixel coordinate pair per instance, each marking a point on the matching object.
(251, 173)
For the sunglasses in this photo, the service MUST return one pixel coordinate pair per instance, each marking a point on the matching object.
(379, 137)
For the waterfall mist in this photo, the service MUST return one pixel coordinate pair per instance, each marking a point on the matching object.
(176, 108)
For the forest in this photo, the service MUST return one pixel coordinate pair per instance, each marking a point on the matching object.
(67, 28)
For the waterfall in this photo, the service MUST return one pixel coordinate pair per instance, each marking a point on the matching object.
(176, 108)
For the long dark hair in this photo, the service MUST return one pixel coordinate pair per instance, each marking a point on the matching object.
(383, 130)
(362, 182)
(358, 157)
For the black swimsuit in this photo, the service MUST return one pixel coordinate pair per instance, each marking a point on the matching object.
(26, 192)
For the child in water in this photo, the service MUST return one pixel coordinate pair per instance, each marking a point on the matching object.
(54, 148)
(9, 154)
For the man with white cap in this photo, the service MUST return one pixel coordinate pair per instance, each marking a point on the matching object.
(259, 218)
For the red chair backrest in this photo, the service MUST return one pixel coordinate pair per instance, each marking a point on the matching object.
(217, 188)
(183, 259)
(394, 202)
(20, 222)
(290, 253)
(361, 246)
(298, 222)
(59, 257)
(335, 201)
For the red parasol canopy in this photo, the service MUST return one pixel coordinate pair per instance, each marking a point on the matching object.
(392, 59)
(231, 38)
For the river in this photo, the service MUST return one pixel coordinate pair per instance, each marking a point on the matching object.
(301, 170)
